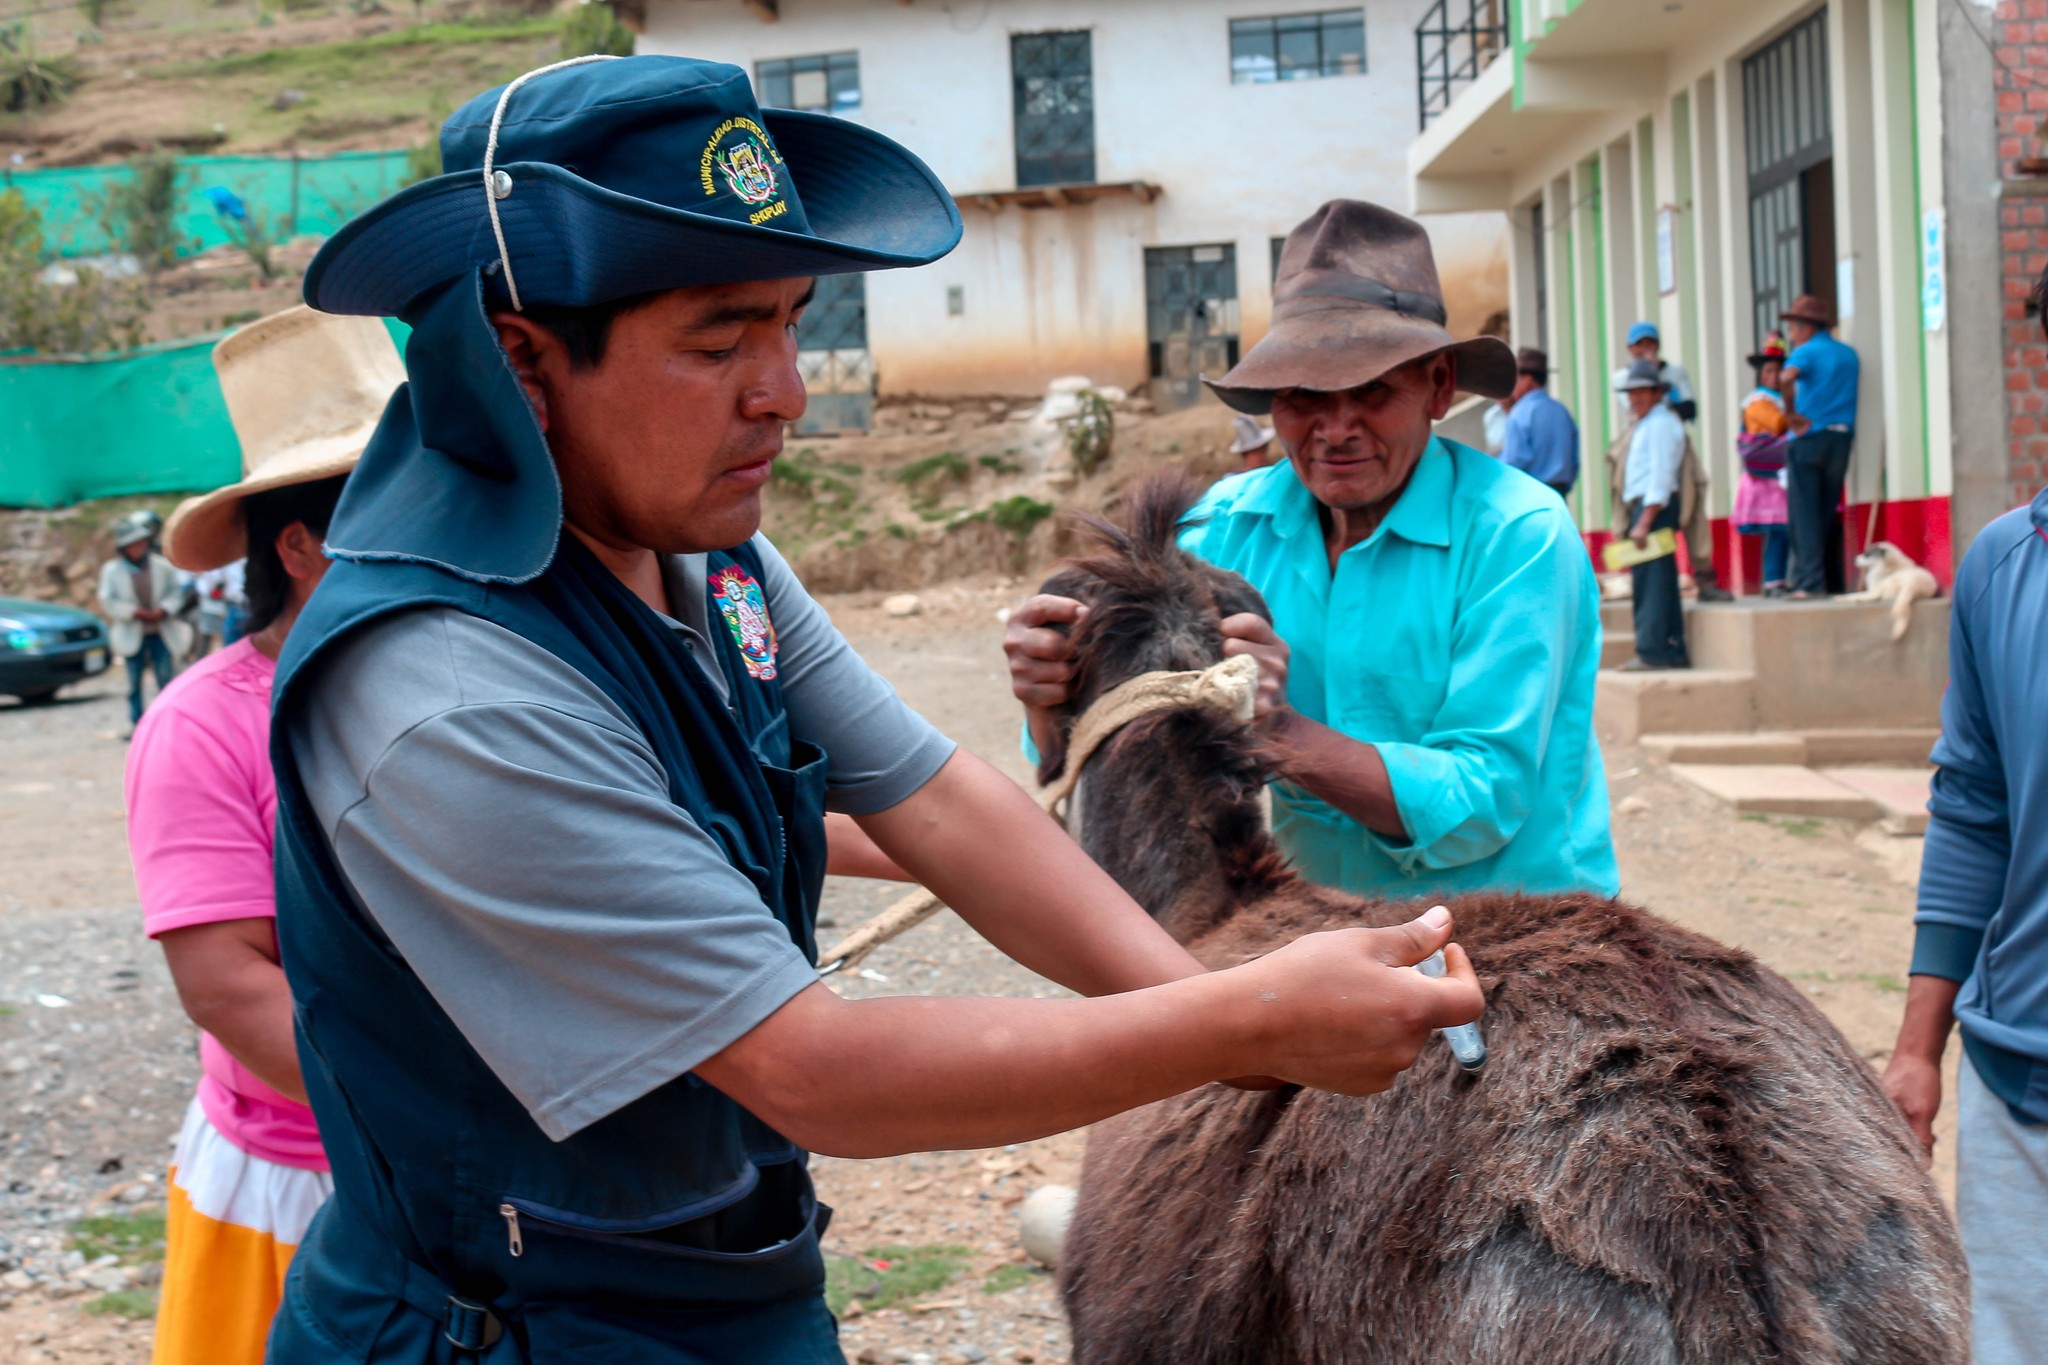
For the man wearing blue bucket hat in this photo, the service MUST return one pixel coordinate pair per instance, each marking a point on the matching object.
(551, 831)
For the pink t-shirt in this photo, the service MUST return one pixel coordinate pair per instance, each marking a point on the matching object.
(202, 804)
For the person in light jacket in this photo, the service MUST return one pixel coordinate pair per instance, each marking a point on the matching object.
(138, 593)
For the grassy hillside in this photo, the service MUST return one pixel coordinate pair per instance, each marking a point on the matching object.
(251, 77)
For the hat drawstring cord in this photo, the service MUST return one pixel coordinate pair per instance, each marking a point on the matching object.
(491, 187)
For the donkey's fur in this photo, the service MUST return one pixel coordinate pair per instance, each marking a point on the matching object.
(1671, 1157)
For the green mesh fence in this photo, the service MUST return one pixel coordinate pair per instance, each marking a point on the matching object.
(148, 421)
(293, 195)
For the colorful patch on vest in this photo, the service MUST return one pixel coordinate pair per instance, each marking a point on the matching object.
(746, 615)
(741, 155)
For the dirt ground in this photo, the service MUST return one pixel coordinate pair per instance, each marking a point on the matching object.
(92, 1086)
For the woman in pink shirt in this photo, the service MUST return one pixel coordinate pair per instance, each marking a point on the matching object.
(248, 1173)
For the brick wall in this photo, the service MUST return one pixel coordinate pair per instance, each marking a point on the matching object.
(2020, 79)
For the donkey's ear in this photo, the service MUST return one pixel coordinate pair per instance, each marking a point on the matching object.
(1234, 596)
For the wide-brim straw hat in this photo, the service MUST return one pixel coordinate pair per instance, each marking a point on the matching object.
(604, 178)
(1810, 308)
(1356, 295)
(304, 390)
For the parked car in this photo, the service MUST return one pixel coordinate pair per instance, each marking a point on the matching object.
(44, 645)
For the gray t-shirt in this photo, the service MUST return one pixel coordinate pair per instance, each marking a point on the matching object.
(508, 828)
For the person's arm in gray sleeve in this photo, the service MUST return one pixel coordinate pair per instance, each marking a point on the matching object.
(588, 938)
(879, 750)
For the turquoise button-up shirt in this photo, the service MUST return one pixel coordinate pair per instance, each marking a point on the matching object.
(1461, 640)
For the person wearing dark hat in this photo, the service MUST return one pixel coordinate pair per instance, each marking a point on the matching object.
(553, 743)
(1426, 675)
(1651, 499)
(1821, 379)
(1542, 439)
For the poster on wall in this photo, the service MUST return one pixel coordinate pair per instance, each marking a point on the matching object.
(1667, 250)
(1933, 271)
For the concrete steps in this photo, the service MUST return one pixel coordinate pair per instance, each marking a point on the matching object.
(1897, 797)
(1784, 667)
(1903, 747)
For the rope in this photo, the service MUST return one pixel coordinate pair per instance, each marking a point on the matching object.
(1230, 686)
(492, 189)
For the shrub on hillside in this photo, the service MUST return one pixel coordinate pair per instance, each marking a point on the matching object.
(140, 211)
(29, 81)
(92, 314)
(592, 28)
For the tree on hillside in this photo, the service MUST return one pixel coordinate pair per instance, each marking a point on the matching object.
(92, 313)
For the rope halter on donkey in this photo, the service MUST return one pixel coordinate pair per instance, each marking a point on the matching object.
(1231, 686)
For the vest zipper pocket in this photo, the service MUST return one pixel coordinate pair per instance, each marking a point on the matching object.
(511, 1217)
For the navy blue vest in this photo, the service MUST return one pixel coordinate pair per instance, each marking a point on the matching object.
(680, 1228)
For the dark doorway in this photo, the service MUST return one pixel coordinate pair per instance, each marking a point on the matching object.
(1053, 86)
(833, 357)
(1790, 151)
(1190, 318)
(1817, 208)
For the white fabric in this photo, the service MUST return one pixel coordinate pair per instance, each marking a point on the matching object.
(2002, 1209)
(1654, 451)
(228, 1185)
(119, 602)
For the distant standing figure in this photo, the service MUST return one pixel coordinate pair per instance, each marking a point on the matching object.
(1821, 378)
(1760, 493)
(1253, 445)
(249, 1170)
(1651, 495)
(138, 590)
(1542, 439)
(1645, 343)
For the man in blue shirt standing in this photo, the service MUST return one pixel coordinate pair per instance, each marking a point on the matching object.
(1426, 677)
(1542, 438)
(1820, 382)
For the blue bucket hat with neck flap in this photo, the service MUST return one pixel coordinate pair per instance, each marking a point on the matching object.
(582, 183)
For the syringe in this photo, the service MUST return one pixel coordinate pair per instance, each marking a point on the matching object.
(1466, 1044)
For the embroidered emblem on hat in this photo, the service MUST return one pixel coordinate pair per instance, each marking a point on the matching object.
(741, 154)
(746, 615)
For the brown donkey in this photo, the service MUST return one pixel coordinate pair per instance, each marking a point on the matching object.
(1671, 1157)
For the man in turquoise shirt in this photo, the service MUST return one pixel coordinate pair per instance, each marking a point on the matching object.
(1427, 675)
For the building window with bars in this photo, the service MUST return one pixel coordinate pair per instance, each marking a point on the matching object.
(1054, 79)
(1297, 47)
(825, 84)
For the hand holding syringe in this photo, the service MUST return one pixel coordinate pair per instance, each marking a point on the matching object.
(1465, 1041)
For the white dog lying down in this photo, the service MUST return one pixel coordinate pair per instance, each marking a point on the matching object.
(1889, 576)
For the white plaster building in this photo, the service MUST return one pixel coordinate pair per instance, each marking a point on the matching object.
(1698, 163)
(1124, 168)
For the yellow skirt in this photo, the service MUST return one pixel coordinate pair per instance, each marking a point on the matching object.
(232, 1225)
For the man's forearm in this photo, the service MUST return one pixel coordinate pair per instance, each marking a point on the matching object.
(1930, 1017)
(900, 1074)
(983, 846)
(1347, 773)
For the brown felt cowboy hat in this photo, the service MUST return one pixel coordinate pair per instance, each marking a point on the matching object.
(1529, 360)
(1810, 308)
(1356, 295)
(305, 391)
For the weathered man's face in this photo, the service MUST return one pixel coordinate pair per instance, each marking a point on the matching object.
(1641, 401)
(1356, 448)
(135, 551)
(666, 443)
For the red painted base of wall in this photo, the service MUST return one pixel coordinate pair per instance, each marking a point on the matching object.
(1918, 526)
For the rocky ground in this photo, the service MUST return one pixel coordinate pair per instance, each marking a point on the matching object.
(96, 1061)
